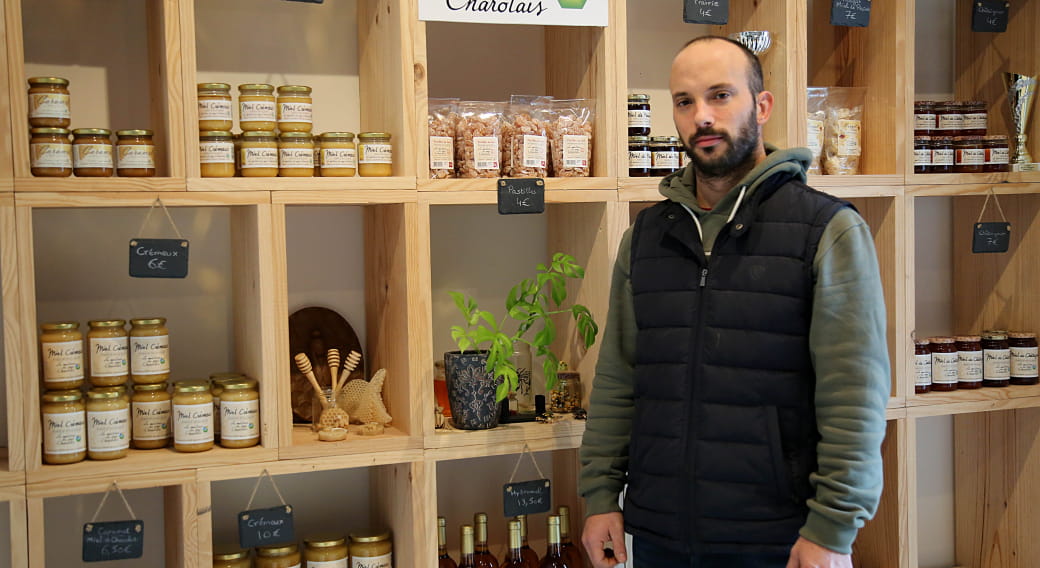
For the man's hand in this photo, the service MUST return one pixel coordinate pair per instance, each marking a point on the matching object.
(599, 529)
(808, 554)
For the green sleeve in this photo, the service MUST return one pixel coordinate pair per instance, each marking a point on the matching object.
(604, 447)
(850, 354)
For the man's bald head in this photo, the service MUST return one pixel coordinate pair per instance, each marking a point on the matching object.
(756, 83)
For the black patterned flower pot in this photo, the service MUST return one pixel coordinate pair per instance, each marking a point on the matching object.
(471, 390)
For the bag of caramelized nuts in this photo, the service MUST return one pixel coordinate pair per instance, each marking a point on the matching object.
(442, 118)
(570, 137)
(478, 139)
(528, 136)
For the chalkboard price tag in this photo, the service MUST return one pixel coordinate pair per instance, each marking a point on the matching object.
(715, 12)
(989, 15)
(116, 540)
(851, 13)
(261, 527)
(526, 497)
(991, 237)
(158, 258)
(518, 196)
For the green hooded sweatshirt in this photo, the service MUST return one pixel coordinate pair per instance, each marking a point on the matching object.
(849, 350)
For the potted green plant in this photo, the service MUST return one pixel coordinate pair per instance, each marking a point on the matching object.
(482, 372)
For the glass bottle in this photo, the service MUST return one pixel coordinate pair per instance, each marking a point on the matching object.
(523, 397)
(570, 552)
(554, 551)
(515, 557)
(443, 560)
(529, 554)
(482, 555)
(466, 559)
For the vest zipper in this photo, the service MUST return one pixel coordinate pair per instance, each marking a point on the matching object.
(695, 513)
(704, 276)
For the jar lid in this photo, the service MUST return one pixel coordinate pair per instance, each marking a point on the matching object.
(49, 130)
(106, 323)
(922, 139)
(372, 135)
(370, 537)
(296, 135)
(325, 540)
(296, 89)
(62, 396)
(923, 104)
(660, 138)
(91, 132)
(214, 87)
(974, 103)
(240, 384)
(968, 338)
(922, 342)
(259, 134)
(277, 550)
(140, 132)
(191, 386)
(215, 134)
(949, 104)
(973, 139)
(994, 335)
(98, 394)
(48, 81)
(638, 97)
(148, 321)
(230, 554)
(256, 87)
(333, 135)
(59, 325)
(941, 339)
(1022, 335)
(150, 386)
(996, 138)
(638, 139)
(943, 139)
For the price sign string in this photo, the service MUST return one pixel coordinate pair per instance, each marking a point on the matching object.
(986, 202)
(169, 217)
(104, 498)
(257, 486)
(526, 451)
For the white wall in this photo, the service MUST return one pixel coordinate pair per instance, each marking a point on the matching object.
(5, 535)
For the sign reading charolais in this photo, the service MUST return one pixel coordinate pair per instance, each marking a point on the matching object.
(592, 13)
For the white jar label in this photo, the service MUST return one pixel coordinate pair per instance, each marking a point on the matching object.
(150, 355)
(848, 137)
(975, 121)
(943, 157)
(108, 356)
(259, 158)
(296, 158)
(922, 157)
(638, 118)
(996, 364)
(216, 152)
(944, 368)
(295, 112)
(257, 111)
(998, 155)
(49, 105)
(151, 420)
(384, 561)
(665, 160)
(327, 564)
(638, 159)
(951, 121)
(62, 361)
(135, 156)
(576, 151)
(486, 155)
(442, 153)
(971, 156)
(193, 423)
(924, 121)
(64, 433)
(339, 157)
(50, 155)
(535, 151)
(815, 136)
(215, 109)
(1023, 362)
(108, 430)
(375, 153)
(239, 420)
(92, 156)
(969, 366)
(922, 370)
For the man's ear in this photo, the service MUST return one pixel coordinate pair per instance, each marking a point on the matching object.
(764, 104)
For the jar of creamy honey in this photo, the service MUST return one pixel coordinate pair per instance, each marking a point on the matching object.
(295, 108)
(92, 152)
(108, 347)
(338, 156)
(120, 390)
(50, 152)
(231, 559)
(239, 414)
(216, 154)
(295, 155)
(375, 155)
(371, 550)
(64, 427)
(258, 155)
(216, 386)
(192, 417)
(214, 106)
(61, 355)
(256, 107)
(278, 556)
(151, 407)
(135, 153)
(149, 350)
(49, 105)
(326, 551)
(108, 425)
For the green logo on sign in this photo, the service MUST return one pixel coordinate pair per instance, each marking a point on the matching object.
(572, 4)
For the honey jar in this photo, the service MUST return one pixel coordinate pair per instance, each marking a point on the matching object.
(216, 386)
(92, 152)
(639, 157)
(998, 153)
(192, 417)
(61, 355)
(371, 549)
(922, 154)
(239, 414)
(1023, 347)
(108, 425)
(922, 366)
(258, 154)
(149, 350)
(214, 106)
(976, 118)
(638, 115)
(49, 105)
(216, 154)
(295, 108)
(326, 551)
(120, 390)
(338, 154)
(135, 153)
(942, 155)
(64, 427)
(969, 362)
(664, 155)
(969, 155)
(50, 152)
(949, 117)
(232, 559)
(278, 556)
(256, 107)
(996, 359)
(375, 154)
(108, 347)
(944, 364)
(151, 407)
(924, 118)
(295, 155)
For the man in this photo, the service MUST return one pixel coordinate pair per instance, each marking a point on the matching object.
(741, 387)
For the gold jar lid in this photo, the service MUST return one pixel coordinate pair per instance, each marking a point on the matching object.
(942, 340)
(230, 554)
(641, 140)
(191, 386)
(294, 89)
(102, 394)
(969, 338)
(139, 132)
(150, 387)
(215, 134)
(214, 87)
(239, 384)
(337, 135)
(49, 130)
(277, 550)
(922, 342)
(59, 325)
(91, 132)
(326, 540)
(373, 135)
(1022, 335)
(994, 335)
(297, 136)
(48, 81)
(370, 537)
(256, 87)
(259, 135)
(62, 396)
(106, 323)
(148, 321)
(638, 97)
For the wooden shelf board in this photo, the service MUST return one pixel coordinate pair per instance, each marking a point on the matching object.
(141, 199)
(61, 487)
(9, 478)
(351, 197)
(852, 182)
(646, 189)
(309, 464)
(72, 184)
(305, 444)
(971, 189)
(980, 400)
(12, 492)
(302, 184)
(450, 443)
(490, 184)
(967, 179)
(481, 197)
(6, 185)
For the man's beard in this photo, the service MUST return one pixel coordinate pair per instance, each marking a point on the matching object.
(738, 151)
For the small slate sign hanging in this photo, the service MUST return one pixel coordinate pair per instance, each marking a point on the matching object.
(526, 497)
(261, 527)
(714, 12)
(989, 15)
(852, 13)
(991, 237)
(517, 196)
(115, 540)
(158, 258)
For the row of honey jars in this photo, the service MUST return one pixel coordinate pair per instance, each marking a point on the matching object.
(950, 118)
(292, 110)
(372, 550)
(91, 153)
(112, 354)
(961, 154)
(993, 359)
(295, 154)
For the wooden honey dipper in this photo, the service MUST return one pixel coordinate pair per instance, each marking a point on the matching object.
(331, 416)
(304, 365)
(333, 360)
(351, 363)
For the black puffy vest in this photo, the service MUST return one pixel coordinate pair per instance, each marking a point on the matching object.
(724, 435)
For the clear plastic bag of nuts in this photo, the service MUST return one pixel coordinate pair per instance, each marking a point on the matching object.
(570, 137)
(478, 139)
(843, 130)
(443, 115)
(814, 124)
(528, 136)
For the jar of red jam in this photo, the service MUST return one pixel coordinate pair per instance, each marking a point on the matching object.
(1022, 345)
(944, 364)
(998, 153)
(922, 154)
(968, 155)
(969, 362)
(976, 119)
(942, 155)
(996, 359)
(922, 366)
(924, 118)
(949, 118)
